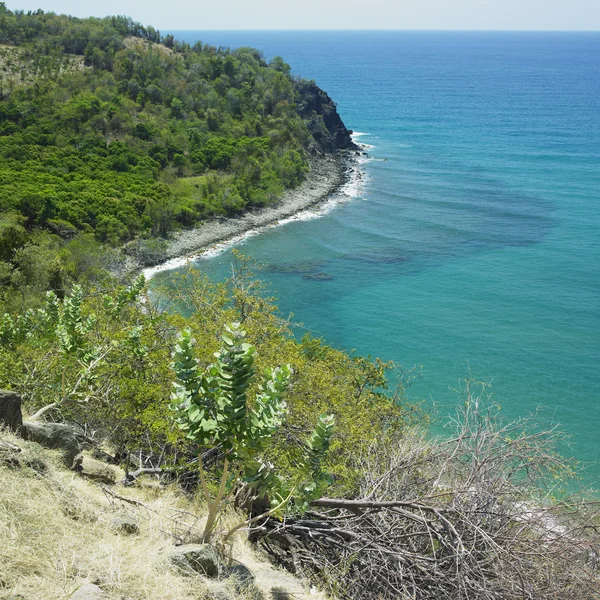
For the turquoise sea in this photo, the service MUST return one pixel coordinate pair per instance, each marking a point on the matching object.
(474, 239)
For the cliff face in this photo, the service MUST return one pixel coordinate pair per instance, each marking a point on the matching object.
(324, 123)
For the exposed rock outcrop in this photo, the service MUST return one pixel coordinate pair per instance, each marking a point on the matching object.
(196, 558)
(324, 123)
(10, 410)
(55, 436)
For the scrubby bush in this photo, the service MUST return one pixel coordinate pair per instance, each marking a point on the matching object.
(213, 409)
(119, 389)
(484, 514)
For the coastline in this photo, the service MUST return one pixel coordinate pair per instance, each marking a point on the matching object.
(328, 175)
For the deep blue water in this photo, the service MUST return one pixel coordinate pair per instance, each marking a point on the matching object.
(475, 240)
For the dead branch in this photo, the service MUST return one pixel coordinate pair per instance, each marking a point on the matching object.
(472, 517)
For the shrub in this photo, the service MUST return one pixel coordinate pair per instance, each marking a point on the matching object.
(212, 407)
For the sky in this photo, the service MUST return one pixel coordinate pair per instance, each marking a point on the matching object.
(338, 14)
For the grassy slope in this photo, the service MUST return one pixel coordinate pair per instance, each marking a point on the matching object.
(55, 527)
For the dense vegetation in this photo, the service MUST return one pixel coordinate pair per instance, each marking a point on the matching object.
(110, 131)
(103, 360)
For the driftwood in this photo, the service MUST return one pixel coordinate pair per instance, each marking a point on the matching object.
(189, 469)
(132, 476)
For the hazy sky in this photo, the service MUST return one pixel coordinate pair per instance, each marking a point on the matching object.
(338, 14)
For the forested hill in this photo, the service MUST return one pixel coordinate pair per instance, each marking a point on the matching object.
(108, 127)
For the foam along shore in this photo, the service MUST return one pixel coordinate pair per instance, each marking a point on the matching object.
(330, 180)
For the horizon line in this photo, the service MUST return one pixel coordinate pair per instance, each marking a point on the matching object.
(389, 29)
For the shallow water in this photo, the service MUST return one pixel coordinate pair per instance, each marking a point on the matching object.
(473, 241)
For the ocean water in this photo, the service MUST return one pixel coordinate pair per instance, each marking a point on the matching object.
(472, 242)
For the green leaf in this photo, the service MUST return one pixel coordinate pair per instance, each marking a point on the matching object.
(209, 425)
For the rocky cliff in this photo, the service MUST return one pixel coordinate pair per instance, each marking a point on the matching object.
(324, 123)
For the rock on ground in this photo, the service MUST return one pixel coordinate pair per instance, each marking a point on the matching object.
(98, 471)
(125, 525)
(88, 591)
(198, 558)
(55, 436)
(10, 410)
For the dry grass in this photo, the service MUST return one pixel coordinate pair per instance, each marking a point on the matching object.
(56, 532)
(19, 66)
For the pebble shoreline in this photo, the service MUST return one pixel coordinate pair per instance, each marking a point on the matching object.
(326, 176)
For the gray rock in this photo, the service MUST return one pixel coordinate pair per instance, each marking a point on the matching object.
(55, 436)
(196, 558)
(97, 471)
(125, 525)
(243, 578)
(10, 410)
(88, 591)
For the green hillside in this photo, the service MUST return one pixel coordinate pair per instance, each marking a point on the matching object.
(109, 129)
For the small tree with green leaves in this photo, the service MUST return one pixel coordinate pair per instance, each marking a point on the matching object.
(213, 409)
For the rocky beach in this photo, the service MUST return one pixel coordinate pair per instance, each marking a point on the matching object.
(327, 175)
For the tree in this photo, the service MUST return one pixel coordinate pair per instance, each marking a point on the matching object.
(213, 409)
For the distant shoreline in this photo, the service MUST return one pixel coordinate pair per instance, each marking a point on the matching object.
(327, 175)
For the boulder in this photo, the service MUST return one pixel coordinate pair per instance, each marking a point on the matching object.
(243, 578)
(10, 410)
(98, 471)
(88, 591)
(196, 558)
(55, 436)
(125, 525)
